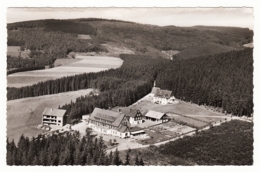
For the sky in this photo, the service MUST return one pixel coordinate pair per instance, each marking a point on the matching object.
(238, 17)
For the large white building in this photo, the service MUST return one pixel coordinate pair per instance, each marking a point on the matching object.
(162, 96)
(109, 122)
(52, 116)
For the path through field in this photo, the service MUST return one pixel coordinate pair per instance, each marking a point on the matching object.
(85, 65)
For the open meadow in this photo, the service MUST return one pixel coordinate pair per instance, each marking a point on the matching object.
(81, 36)
(182, 112)
(23, 115)
(14, 51)
(86, 64)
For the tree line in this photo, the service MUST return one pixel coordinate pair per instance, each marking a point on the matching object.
(142, 38)
(49, 40)
(67, 26)
(55, 37)
(24, 69)
(123, 96)
(66, 149)
(224, 80)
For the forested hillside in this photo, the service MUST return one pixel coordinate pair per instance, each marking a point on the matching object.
(49, 40)
(52, 39)
(224, 80)
(66, 149)
(228, 144)
(190, 41)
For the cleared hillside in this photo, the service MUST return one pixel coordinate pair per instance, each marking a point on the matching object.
(24, 115)
(148, 39)
(51, 37)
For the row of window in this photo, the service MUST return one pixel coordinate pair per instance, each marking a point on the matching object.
(103, 120)
(101, 124)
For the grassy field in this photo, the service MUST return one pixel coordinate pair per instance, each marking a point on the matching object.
(65, 61)
(180, 107)
(83, 64)
(24, 115)
(189, 121)
(84, 37)
(14, 51)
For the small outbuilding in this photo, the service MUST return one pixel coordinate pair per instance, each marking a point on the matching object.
(134, 131)
(156, 116)
(134, 116)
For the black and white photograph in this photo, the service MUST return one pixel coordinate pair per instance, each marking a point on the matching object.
(157, 86)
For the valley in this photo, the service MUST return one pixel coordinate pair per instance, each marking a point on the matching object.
(86, 64)
(108, 87)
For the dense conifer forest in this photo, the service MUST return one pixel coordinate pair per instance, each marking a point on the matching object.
(52, 39)
(49, 40)
(67, 149)
(211, 69)
(224, 80)
(228, 144)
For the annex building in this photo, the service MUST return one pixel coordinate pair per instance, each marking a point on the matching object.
(52, 116)
(162, 96)
(134, 116)
(156, 116)
(109, 122)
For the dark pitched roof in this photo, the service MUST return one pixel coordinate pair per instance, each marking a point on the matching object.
(163, 93)
(154, 90)
(154, 114)
(133, 129)
(122, 129)
(54, 112)
(129, 111)
(110, 117)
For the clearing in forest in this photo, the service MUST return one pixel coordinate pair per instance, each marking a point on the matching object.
(23, 115)
(190, 113)
(84, 37)
(83, 64)
(15, 51)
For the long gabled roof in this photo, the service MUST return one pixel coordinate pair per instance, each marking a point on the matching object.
(134, 129)
(54, 112)
(154, 114)
(129, 111)
(163, 93)
(123, 129)
(154, 90)
(107, 116)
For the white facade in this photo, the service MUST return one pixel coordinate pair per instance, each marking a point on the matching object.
(132, 121)
(52, 120)
(54, 117)
(163, 101)
(160, 100)
(105, 130)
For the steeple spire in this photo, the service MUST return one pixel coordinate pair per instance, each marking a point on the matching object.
(154, 83)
